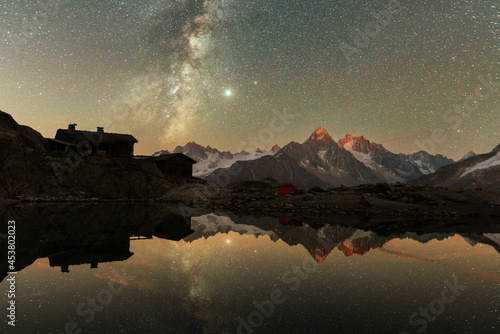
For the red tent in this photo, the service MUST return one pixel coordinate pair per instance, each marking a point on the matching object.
(285, 190)
(285, 222)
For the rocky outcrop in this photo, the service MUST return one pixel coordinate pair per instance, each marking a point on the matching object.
(22, 168)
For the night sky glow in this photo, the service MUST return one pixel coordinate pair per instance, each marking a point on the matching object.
(218, 71)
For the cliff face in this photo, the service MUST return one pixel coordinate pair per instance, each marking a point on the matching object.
(27, 169)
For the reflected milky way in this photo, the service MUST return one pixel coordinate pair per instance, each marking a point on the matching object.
(200, 277)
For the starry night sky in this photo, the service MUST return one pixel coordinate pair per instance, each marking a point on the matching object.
(219, 72)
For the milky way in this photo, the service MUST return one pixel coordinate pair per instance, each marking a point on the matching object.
(407, 74)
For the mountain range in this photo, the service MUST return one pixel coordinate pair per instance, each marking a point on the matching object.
(319, 161)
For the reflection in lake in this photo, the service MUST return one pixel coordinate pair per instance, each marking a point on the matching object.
(150, 269)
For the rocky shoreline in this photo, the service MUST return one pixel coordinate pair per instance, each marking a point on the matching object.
(372, 204)
(367, 202)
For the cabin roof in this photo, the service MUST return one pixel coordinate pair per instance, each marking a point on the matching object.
(166, 157)
(107, 137)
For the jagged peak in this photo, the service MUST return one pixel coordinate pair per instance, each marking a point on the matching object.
(275, 148)
(359, 144)
(319, 255)
(349, 137)
(192, 144)
(352, 137)
(320, 135)
(468, 155)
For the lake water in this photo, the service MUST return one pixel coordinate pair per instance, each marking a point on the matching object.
(210, 275)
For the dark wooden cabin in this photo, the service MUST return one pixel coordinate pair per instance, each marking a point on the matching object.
(96, 143)
(176, 164)
(93, 253)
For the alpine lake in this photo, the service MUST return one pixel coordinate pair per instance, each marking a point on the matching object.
(141, 268)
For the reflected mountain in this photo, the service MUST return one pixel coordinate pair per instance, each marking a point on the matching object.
(90, 234)
(321, 241)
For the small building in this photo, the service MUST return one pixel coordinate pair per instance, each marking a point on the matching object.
(110, 250)
(96, 143)
(176, 164)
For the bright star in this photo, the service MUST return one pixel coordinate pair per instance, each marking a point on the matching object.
(229, 92)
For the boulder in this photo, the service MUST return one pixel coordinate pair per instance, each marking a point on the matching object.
(365, 201)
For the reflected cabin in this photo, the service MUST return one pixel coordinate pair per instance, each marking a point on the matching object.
(96, 143)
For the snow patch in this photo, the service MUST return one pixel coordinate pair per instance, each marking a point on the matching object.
(321, 154)
(366, 159)
(424, 168)
(491, 162)
(493, 236)
(205, 167)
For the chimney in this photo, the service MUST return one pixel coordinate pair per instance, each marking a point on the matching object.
(72, 127)
(100, 129)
